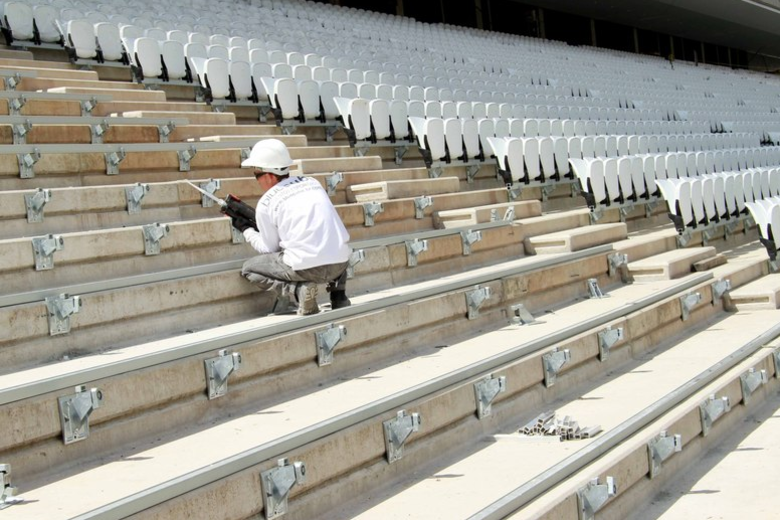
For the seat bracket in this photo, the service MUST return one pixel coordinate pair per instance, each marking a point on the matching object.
(98, 130)
(397, 432)
(15, 105)
(420, 203)
(354, 259)
(332, 181)
(607, 339)
(750, 382)
(153, 233)
(277, 483)
(687, 303)
(521, 315)
(185, 158)
(35, 202)
(594, 291)
(413, 250)
(471, 171)
(20, 131)
(59, 310)
(469, 238)
(218, 369)
(165, 130)
(711, 410)
(7, 491)
(134, 195)
(211, 186)
(27, 162)
(475, 299)
(592, 497)
(660, 448)
(486, 391)
(43, 250)
(113, 159)
(370, 210)
(75, 410)
(326, 341)
(552, 362)
(88, 105)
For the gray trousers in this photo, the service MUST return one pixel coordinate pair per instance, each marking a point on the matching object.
(269, 272)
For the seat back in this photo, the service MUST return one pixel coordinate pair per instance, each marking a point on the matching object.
(241, 79)
(146, 54)
(81, 36)
(380, 118)
(18, 17)
(173, 58)
(45, 17)
(217, 77)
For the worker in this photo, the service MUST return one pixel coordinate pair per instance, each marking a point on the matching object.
(300, 237)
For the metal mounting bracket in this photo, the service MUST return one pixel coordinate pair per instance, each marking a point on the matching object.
(153, 233)
(326, 341)
(330, 131)
(98, 130)
(59, 310)
(88, 105)
(684, 238)
(485, 392)
(11, 82)
(43, 250)
(399, 152)
(332, 181)
(707, 235)
(236, 236)
(165, 131)
(434, 172)
(624, 211)
(750, 382)
(370, 210)
(546, 190)
(660, 448)
(113, 159)
(521, 315)
(618, 263)
(509, 215)
(468, 238)
(711, 410)
(185, 157)
(592, 497)
(354, 259)
(475, 299)
(471, 172)
(360, 150)
(75, 410)
(397, 431)
(277, 483)
(20, 131)
(552, 362)
(27, 162)
(15, 105)
(245, 154)
(596, 214)
(607, 339)
(594, 291)
(513, 193)
(420, 203)
(649, 208)
(721, 293)
(134, 195)
(35, 202)
(7, 491)
(687, 303)
(218, 369)
(413, 250)
(211, 186)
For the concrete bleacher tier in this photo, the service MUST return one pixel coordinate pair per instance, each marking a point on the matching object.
(538, 230)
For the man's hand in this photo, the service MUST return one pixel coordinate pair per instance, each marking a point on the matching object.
(241, 223)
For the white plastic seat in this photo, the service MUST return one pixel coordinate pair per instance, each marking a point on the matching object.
(611, 178)
(379, 110)
(356, 116)
(218, 51)
(470, 132)
(561, 155)
(146, 56)
(196, 37)
(590, 173)
(282, 70)
(486, 130)
(238, 54)
(367, 91)
(259, 71)
(329, 91)
(302, 73)
(766, 213)
(45, 17)
(309, 98)
(399, 119)
(258, 56)
(18, 18)
(283, 97)
(214, 74)
(501, 127)
(453, 134)
(430, 136)
(179, 36)
(677, 193)
(173, 59)
(240, 80)
(81, 39)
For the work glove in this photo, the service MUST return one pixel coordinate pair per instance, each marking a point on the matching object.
(241, 223)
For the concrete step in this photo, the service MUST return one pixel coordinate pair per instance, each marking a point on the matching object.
(338, 192)
(43, 83)
(761, 294)
(290, 140)
(52, 73)
(45, 107)
(128, 94)
(341, 164)
(82, 134)
(490, 213)
(194, 117)
(388, 190)
(197, 132)
(576, 239)
(325, 458)
(112, 107)
(16, 54)
(671, 264)
(17, 58)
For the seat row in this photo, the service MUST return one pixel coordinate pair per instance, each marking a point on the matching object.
(625, 180)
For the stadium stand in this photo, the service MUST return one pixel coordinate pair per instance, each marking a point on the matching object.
(551, 241)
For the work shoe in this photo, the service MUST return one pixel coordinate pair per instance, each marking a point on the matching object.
(306, 294)
(338, 300)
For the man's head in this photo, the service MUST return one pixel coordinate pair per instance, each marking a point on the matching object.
(271, 162)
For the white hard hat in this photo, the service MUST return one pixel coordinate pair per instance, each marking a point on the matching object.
(269, 155)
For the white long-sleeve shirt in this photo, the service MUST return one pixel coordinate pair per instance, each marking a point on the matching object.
(297, 218)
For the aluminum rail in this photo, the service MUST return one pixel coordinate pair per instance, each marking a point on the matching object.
(190, 347)
(56, 96)
(278, 447)
(217, 267)
(90, 120)
(131, 147)
(535, 487)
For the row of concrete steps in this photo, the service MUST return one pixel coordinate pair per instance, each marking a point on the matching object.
(438, 354)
